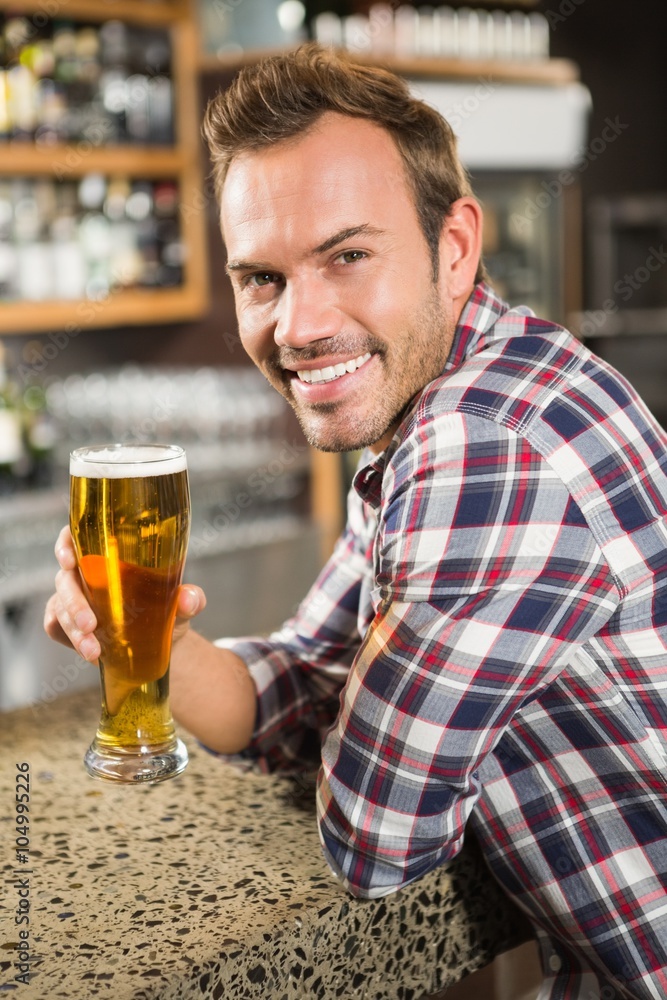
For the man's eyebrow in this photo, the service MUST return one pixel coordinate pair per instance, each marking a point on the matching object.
(246, 265)
(347, 234)
(332, 241)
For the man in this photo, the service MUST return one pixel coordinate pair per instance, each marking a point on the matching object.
(488, 643)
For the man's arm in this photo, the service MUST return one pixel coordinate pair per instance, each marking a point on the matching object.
(300, 670)
(212, 694)
(274, 696)
(211, 691)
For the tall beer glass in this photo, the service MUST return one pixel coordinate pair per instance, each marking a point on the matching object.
(130, 520)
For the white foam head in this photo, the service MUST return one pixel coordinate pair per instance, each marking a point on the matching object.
(123, 461)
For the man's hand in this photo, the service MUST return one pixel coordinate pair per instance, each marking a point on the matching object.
(70, 620)
(211, 691)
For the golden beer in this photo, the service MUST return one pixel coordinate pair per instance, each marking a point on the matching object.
(130, 518)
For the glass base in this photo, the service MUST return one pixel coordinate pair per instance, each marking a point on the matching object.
(133, 766)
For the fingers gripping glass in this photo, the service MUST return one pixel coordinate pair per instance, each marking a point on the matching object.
(130, 521)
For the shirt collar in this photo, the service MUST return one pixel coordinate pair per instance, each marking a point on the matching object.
(473, 331)
(476, 324)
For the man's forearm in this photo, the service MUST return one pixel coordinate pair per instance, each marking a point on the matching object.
(212, 694)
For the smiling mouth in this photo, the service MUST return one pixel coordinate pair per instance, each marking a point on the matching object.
(332, 372)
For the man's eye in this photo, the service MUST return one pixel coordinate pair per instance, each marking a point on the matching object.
(262, 279)
(352, 256)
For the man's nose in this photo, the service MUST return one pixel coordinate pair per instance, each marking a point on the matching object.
(306, 312)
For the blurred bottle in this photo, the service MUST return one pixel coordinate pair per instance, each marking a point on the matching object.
(114, 52)
(34, 209)
(72, 240)
(4, 86)
(11, 442)
(69, 266)
(7, 249)
(328, 29)
(95, 236)
(91, 121)
(62, 81)
(39, 437)
(125, 263)
(21, 81)
(161, 111)
(171, 250)
(140, 210)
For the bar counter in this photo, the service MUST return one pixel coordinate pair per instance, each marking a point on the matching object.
(208, 885)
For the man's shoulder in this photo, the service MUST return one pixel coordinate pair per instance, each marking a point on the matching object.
(513, 377)
(533, 378)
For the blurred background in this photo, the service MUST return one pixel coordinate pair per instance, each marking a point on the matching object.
(116, 319)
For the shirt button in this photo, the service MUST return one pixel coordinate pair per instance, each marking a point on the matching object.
(555, 963)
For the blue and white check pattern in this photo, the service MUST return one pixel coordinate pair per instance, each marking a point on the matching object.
(488, 646)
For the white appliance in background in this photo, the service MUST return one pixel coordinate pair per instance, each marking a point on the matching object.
(511, 126)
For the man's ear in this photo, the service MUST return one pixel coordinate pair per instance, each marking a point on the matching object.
(461, 248)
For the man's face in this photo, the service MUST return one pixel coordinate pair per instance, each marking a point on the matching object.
(333, 283)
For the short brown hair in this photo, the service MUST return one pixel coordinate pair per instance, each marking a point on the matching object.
(282, 96)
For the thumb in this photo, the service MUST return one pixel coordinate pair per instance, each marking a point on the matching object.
(191, 600)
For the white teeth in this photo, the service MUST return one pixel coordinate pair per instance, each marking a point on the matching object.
(333, 371)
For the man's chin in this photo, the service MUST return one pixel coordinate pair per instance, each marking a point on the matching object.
(333, 439)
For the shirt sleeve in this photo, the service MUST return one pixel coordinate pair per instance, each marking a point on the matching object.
(300, 670)
(489, 578)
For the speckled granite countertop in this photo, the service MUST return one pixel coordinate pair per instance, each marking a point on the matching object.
(209, 885)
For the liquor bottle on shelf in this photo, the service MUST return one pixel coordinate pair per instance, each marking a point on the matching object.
(114, 76)
(7, 248)
(84, 240)
(34, 208)
(21, 80)
(171, 252)
(464, 32)
(40, 436)
(126, 264)
(65, 81)
(11, 441)
(4, 86)
(69, 267)
(95, 236)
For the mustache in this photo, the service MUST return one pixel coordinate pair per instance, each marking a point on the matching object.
(350, 347)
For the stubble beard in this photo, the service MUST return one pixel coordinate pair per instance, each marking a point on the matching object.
(408, 366)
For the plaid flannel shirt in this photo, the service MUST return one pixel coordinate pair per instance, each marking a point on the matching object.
(488, 645)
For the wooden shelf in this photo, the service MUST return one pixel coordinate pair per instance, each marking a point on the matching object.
(548, 72)
(133, 11)
(140, 306)
(63, 161)
(135, 307)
